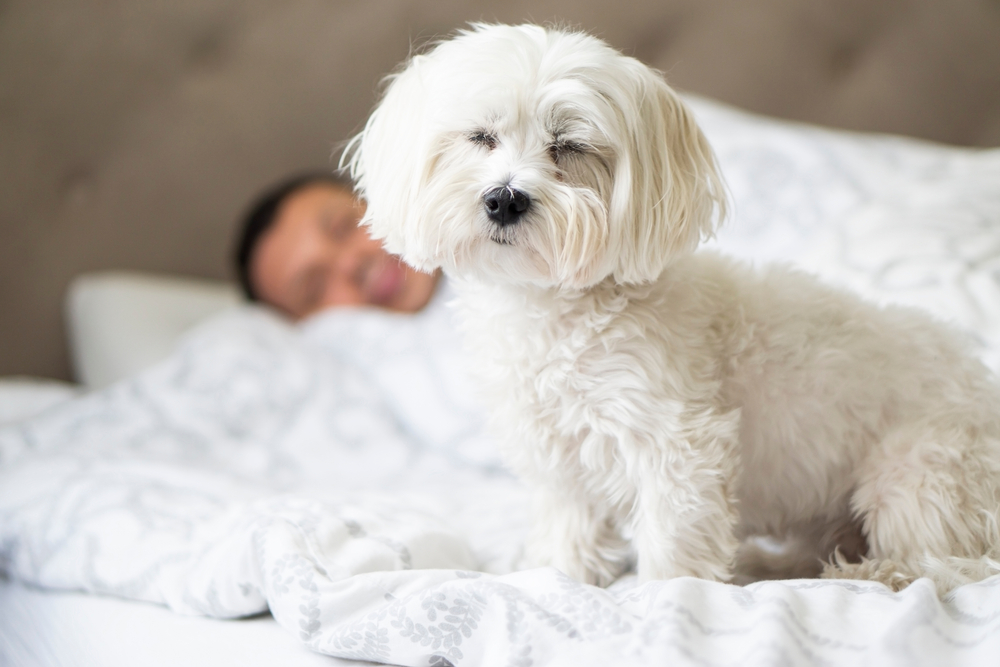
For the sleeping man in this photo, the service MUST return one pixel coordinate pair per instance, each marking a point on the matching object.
(301, 251)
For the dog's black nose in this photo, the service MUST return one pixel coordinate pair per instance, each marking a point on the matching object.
(505, 205)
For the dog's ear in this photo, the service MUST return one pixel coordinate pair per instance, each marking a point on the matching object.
(385, 160)
(667, 187)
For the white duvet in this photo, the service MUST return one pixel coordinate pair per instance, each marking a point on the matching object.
(337, 473)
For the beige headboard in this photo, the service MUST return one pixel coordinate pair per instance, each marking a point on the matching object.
(132, 133)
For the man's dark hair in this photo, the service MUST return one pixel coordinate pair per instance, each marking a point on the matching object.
(261, 214)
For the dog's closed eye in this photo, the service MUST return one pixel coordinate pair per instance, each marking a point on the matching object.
(483, 138)
(559, 150)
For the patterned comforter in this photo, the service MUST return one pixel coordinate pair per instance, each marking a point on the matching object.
(337, 472)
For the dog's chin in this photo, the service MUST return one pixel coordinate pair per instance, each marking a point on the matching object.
(504, 235)
(500, 255)
(507, 258)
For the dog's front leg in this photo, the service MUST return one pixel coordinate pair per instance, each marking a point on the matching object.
(572, 534)
(684, 518)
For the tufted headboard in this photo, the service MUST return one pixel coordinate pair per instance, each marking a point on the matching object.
(132, 133)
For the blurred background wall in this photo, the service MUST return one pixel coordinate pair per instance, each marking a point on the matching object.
(132, 133)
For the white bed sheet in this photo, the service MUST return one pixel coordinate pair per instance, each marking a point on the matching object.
(23, 397)
(44, 628)
(49, 629)
(338, 475)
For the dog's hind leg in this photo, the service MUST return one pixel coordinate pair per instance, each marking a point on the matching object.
(929, 502)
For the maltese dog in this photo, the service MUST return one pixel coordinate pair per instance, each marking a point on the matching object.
(666, 405)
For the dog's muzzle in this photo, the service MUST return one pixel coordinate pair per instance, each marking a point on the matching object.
(505, 205)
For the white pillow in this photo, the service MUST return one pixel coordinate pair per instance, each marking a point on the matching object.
(122, 322)
(897, 219)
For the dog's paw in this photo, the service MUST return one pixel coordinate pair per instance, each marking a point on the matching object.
(599, 565)
(884, 571)
(711, 571)
(701, 558)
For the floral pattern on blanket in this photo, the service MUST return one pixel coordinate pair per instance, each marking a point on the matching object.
(337, 473)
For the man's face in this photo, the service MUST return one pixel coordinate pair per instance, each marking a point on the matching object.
(315, 256)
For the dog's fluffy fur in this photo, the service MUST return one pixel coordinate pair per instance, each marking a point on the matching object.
(667, 404)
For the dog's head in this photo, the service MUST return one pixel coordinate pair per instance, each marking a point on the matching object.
(529, 155)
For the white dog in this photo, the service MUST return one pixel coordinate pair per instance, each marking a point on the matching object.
(666, 404)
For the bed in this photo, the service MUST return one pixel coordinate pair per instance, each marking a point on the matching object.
(332, 487)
